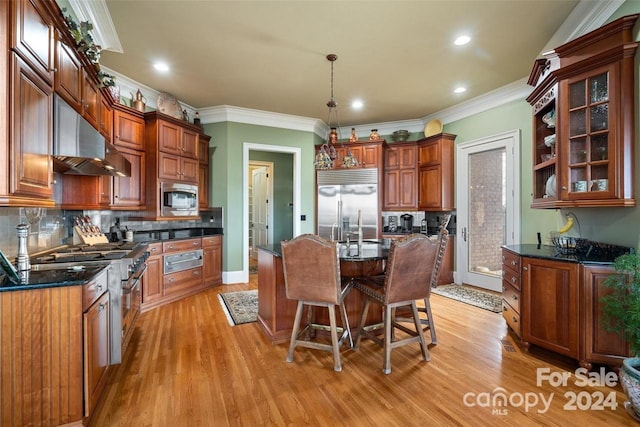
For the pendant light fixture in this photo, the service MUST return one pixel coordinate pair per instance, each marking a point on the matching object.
(327, 154)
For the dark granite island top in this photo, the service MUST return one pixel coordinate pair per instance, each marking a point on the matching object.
(553, 253)
(51, 278)
(371, 250)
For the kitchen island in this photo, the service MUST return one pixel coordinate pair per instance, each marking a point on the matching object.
(276, 312)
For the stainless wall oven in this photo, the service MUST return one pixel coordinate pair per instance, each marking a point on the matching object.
(179, 199)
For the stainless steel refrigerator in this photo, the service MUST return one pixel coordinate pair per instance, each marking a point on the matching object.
(343, 196)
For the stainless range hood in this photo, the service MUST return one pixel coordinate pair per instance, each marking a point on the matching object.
(79, 149)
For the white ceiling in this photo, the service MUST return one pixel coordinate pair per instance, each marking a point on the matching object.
(397, 56)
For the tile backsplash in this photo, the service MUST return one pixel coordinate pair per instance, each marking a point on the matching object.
(50, 228)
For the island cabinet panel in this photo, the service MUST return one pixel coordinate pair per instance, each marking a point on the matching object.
(276, 312)
(550, 314)
(41, 360)
(600, 346)
(511, 287)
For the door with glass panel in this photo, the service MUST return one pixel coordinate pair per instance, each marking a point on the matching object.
(487, 180)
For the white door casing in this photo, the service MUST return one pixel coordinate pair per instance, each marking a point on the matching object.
(262, 207)
(509, 144)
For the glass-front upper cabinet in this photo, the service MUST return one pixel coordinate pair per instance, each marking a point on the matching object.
(586, 158)
(588, 135)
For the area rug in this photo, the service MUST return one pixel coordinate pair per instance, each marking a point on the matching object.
(240, 307)
(471, 296)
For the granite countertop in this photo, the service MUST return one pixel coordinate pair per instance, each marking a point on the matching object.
(51, 278)
(372, 249)
(146, 236)
(553, 253)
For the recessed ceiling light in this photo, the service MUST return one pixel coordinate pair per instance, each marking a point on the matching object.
(460, 89)
(462, 40)
(357, 104)
(161, 66)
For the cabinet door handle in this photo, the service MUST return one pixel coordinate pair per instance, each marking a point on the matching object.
(514, 319)
(564, 187)
(101, 307)
(515, 297)
(525, 268)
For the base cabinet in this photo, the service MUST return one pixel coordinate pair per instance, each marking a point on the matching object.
(600, 346)
(96, 351)
(559, 308)
(212, 260)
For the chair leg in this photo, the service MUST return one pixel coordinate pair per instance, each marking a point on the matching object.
(294, 332)
(432, 328)
(423, 341)
(388, 320)
(361, 325)
(334, 338)
(345, 325)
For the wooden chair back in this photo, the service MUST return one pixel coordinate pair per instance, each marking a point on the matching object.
(311, 269)
(409, 268)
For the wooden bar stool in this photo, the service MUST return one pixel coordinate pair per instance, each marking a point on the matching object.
(312, 276)
(406, 280)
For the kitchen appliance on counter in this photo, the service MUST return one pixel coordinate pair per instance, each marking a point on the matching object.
(406, 223)
(393, 224)
(343, 196)
(126, 263)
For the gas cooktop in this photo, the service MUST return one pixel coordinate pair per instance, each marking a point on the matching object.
(79, 253)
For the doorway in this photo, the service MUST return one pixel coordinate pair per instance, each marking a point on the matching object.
(488, 201)
(260, 209)
(296, 193)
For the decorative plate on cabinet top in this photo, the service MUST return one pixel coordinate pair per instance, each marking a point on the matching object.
(434, 127)
(169, 105)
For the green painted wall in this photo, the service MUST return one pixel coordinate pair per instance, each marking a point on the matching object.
(227, 182)
(610, 225)
(282, 180)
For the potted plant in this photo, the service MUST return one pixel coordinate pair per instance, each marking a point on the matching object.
(621, 314)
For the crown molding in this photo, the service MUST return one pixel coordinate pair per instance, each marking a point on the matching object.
(97, 12)
(516, 91)
(230, 113)
(585, 17)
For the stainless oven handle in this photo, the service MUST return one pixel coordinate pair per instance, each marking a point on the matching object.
(182, 260)
(135, 281)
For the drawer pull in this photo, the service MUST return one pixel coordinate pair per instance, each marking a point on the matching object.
(171, 279)
(514, 279)
(514, 320)
(195, 243)
(513, 262)
(196, 273)
(101, 307)
(525, 268)
(515, 297)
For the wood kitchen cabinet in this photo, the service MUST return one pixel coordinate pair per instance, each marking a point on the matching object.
(128, 128)
(583, 120)
(172, 156)
(129, 192)
(32, 36)
(550, 312)
(203, 171)
(435, 173)
(400, 177)
(28, 176)
(96, 341)
(511, 291)
(600, 346)
(152, 281)
(212, 260)
(368, 153)
(106, 118)
(68, 74)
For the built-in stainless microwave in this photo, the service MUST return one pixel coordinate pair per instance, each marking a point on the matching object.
(179, 199)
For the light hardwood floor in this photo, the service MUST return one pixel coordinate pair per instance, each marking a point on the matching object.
(186, 366)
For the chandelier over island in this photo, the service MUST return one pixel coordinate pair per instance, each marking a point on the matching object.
(327, 154)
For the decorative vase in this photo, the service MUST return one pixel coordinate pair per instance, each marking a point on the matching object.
(374, 135)
(353, 137)
(630, 380)
(333, 136)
